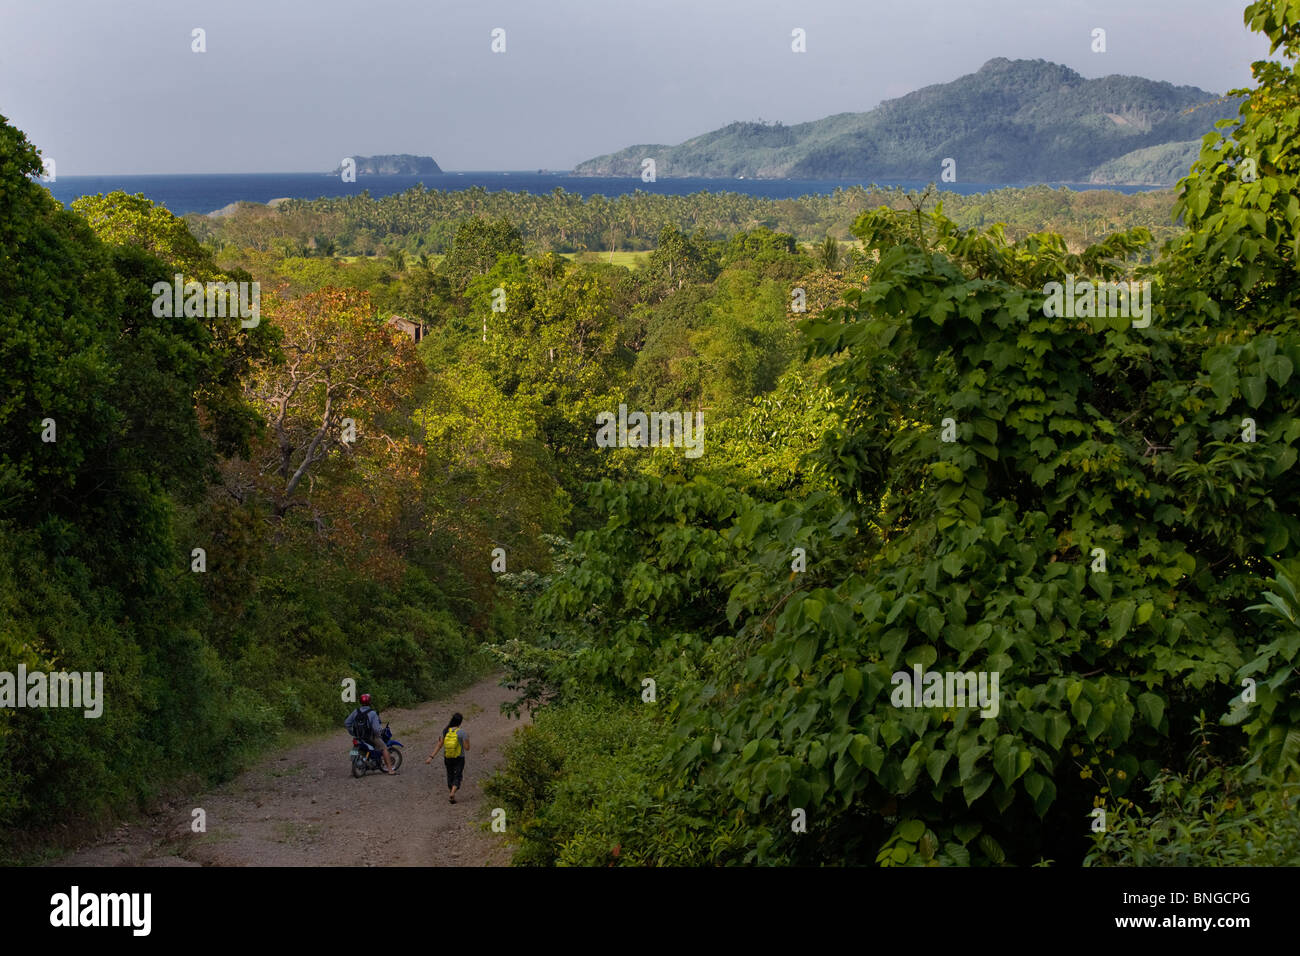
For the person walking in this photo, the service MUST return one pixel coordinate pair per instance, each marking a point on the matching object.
(454, 744)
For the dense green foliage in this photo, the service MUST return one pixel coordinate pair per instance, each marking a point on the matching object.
(1010, 121)
(582, 784)
(1212, 814)
(125, 441)
(1095, 531)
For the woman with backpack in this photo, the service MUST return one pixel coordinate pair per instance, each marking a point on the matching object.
(455, 745)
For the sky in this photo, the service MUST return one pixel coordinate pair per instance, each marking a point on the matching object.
(114, 86)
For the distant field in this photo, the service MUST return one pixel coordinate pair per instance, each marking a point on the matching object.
(434, 258)
(845, 244)
(629, 260)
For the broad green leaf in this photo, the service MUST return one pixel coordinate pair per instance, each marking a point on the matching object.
(852, 682)
(1152, 708)
(974, 788)
(967, 758)
(935, 763)
(911, 830)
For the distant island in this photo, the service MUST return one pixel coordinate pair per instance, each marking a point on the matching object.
(1011, 121)
(393, 164)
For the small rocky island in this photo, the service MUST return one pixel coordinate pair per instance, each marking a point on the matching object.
(396, 164)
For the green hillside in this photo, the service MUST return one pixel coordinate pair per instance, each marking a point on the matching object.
(1160, 165)
(1012, 121)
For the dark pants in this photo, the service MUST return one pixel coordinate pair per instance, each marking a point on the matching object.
(455, 770)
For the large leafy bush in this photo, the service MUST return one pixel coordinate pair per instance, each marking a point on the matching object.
(1092, 532)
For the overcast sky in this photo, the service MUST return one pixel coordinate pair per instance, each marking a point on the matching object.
(112, 86)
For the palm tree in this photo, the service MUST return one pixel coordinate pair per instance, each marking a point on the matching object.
(829, 253)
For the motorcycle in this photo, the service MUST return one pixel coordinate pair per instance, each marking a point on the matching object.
(366, 756)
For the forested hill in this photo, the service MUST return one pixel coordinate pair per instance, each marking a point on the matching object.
(400, 164)
(1012, 121)
(1154, 165)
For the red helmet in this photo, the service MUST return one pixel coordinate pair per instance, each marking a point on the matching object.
(365, 698)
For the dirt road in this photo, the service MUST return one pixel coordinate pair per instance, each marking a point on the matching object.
(302, 807)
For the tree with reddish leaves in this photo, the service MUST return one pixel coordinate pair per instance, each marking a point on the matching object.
(341, 375)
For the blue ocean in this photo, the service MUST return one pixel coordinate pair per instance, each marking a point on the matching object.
(209, 192)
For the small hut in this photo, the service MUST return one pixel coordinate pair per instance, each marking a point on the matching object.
(414, 329)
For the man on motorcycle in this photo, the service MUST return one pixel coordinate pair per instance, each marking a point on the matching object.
(364, 723)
